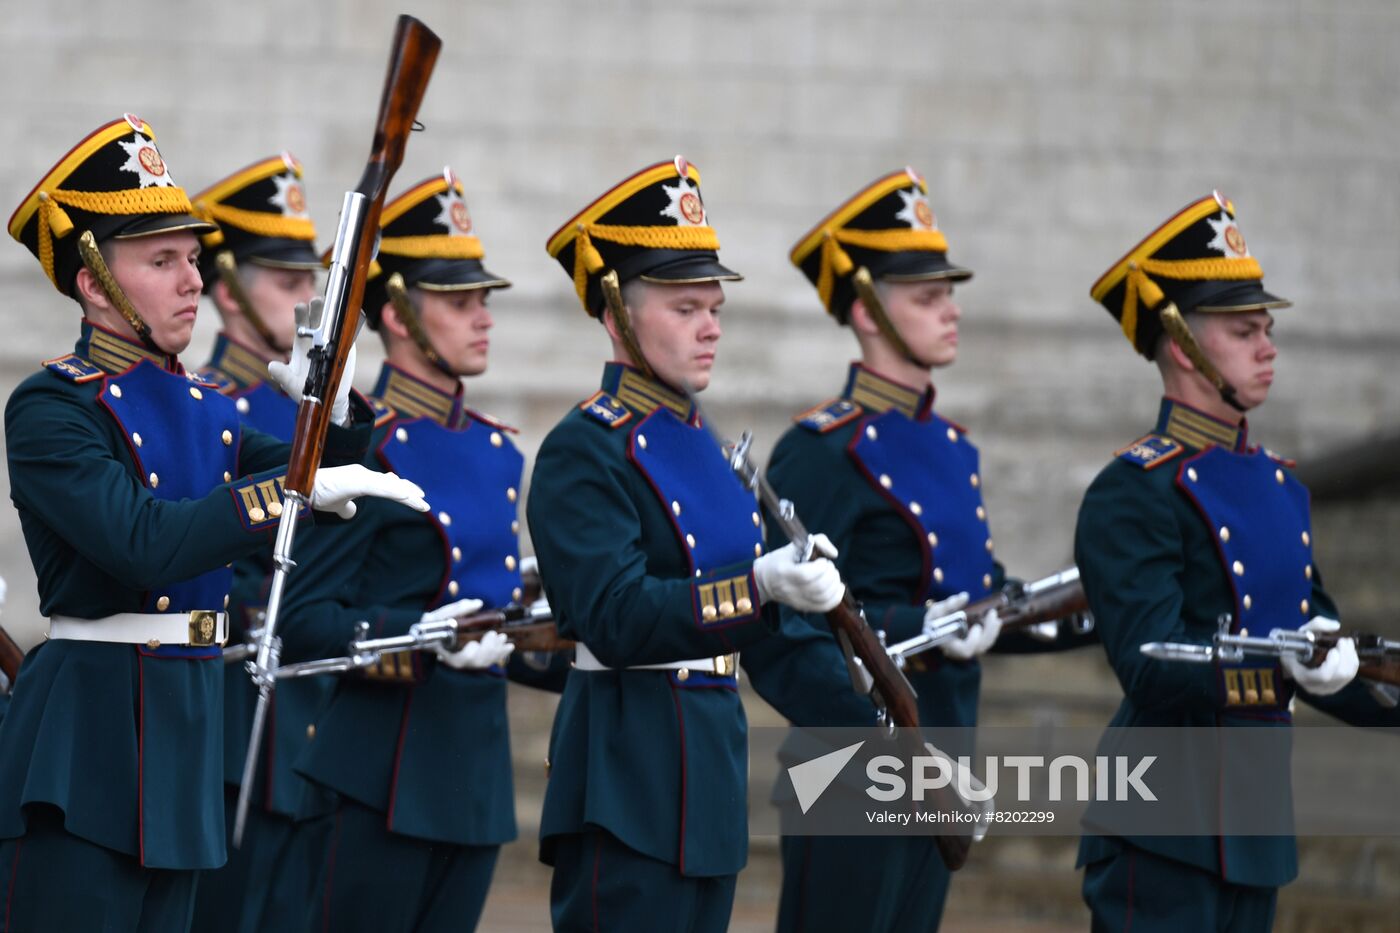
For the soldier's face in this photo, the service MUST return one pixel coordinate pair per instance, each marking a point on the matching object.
(1241, 346)
(926, 317)
(160, 275)
(678, 329)
(458, 326)
(274, 295)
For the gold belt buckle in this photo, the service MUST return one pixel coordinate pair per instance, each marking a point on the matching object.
(725, 664)
(204, 628)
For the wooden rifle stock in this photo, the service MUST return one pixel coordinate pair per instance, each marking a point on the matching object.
(412, 56)
(1023, 611)
(525, 632)
(10, 657)
(411, 59)
(1378, 662)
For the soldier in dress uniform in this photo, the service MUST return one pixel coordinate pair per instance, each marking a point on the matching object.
(257, 267)
(899, 489)
(1187, 523)
(651, 555)
(136, 489)
(418, 747)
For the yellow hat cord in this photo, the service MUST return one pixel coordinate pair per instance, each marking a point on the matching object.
(836, 262)
(432, 246)
(1139, 286)
(54, 222)
(588, 261)
(258, 223)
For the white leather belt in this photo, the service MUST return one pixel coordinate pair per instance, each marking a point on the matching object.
(724, 665)
(199, 628)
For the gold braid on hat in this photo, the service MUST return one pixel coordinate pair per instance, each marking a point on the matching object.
(835, 261)
(432, 246)
(55, 224)
(588, 261)
(258, 223)
(1139, 284)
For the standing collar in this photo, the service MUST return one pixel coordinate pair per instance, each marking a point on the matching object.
(641, 394)
(879, 394)
(240, 363)
(414, 398)
(1198, 430)
(115, 353)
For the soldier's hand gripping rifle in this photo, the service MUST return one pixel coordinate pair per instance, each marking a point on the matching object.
(1379, 657)
(1049, 599)
(873, 672)
(529, 628)
(411, 59)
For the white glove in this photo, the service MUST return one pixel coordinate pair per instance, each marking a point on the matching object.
(493, 648)
(978, 640)
(290, 377)
(1335, 671)
(807, 586)
(337, 487)
(944, 607)
(462, 607)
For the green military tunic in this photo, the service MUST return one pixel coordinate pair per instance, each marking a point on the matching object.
(421, 751)
(646, 545)
(1186, 524)
(266, 883)
(897, 489)
(126, 740)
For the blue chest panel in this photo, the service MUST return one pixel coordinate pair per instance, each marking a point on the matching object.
(184, 439)
(265, 409)
(715, 518)
(471, 477)
(928, 471)
(1259, 517)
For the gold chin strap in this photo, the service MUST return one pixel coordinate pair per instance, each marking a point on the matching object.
(1176, 327)
(92, 258)
(397, 290)
(865, 291)
(612, 294)
(228, 273)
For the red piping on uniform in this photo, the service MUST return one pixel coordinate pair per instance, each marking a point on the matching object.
(900, 509)
(14, 874)
(330, 872)
(398, 759)
(680, 723)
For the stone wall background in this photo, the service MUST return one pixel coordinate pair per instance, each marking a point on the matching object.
(1053, 133)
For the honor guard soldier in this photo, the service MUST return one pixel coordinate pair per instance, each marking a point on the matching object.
(899, 490)
(651, 555)
(257, 267)
(1187, 523)
(136, 490)
(418, 748)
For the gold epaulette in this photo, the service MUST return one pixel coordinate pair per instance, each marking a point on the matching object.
(605, 409)
(382, 411)
(829, 415)
(74, 368)
(1150, 451)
